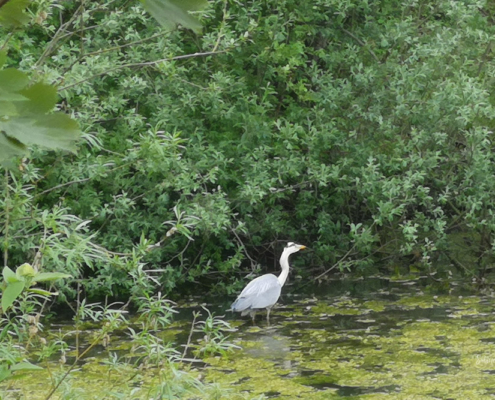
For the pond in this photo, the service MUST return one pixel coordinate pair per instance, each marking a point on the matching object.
(364, 339)
(368, 339)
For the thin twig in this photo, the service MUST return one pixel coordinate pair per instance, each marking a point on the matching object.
(78, 358)
(196, 314)
(363, 44)
(343, 258)
(484, 57)
(220, 34)
(143, 64)
(179, 255)
(94, 53)
(456, 262)
(253, 262)
(337, 263)
(62, 185)
(77, 317)
(81, 180)
(78, 31)
(190, 83)
(56, 37)
(103, 250)
(7, 219)
(9, 36)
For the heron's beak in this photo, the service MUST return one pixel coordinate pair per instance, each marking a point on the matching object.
(302, 247)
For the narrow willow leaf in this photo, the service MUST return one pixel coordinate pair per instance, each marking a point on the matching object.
(42, 292)
(12, 14)
(171, 12)
(185, 231)
(25, 366)
(50, 276)
(11, 293)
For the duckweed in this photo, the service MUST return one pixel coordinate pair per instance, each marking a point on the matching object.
(414, 346)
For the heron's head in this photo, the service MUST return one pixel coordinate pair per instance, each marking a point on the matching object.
(293, 247)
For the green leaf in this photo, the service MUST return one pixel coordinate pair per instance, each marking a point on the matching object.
(171, 12)
(55, 131)
(50, 276)
(12, 80)
(43, 292)
(23, 119)
(10, 276)
(10, 147)
(185, 231)
(42, 98)
(10, 96)
(25, 366)
(11, 293)
(12, 14)
(4, 372)
(8, 108)
(5, 331)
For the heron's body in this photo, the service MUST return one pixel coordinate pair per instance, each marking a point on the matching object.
(264, 291)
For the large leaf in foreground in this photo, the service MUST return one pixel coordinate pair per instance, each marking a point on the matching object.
(12, 14)
(50, 276)
(171, 12)
(12, 80)
(24, 120)
(53, 130)
(11, 293)
(9, 147)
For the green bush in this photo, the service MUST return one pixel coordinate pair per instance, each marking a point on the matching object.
(362, 129)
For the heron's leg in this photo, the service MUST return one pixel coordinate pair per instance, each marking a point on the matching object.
(253, 315)
(268, 315)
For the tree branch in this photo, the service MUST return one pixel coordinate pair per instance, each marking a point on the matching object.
(62, 185)
(60, 31)
(362, 44)
(93, 53)
(144, 64)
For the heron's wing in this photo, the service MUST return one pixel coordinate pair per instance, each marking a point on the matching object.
(261, 292)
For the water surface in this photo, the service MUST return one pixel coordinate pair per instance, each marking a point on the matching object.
(367, 339)
(364, 339)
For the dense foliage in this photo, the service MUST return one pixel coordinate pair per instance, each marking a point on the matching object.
(362, 129)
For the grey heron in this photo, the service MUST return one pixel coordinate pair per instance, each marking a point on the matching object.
(264, 291)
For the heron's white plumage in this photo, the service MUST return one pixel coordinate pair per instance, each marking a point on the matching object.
(260, 285)
(264, 291)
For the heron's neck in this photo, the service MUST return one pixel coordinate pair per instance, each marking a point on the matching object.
(284, 263)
